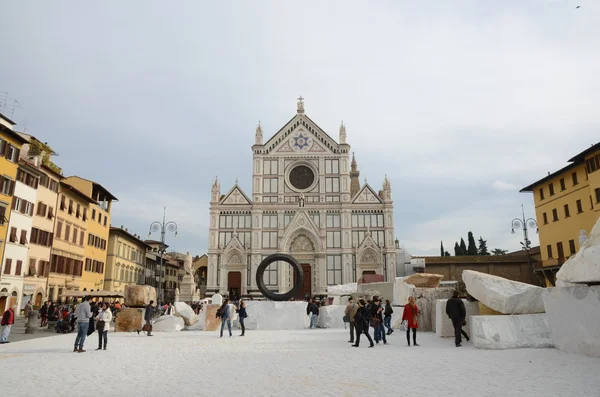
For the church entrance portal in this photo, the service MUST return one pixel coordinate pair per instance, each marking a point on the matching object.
(306, 285)
(234, 284)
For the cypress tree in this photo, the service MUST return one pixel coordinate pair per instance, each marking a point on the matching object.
(456, 249)
(463, 247)
(441, 248)
(472, 250)
(483, 246)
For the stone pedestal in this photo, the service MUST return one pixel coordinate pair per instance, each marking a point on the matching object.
(32, 325)
(188, 291)
(511, 332)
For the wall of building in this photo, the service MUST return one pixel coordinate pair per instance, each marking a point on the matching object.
(559, 219)
(63, 247)
(126, 258)
(518, 271)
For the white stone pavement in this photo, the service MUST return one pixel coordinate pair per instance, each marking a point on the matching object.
(288, 363)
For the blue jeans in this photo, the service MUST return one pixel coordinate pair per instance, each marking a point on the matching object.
(380, 333)
(82, 329)
(228, 320)
(313, 321)
(387, 321)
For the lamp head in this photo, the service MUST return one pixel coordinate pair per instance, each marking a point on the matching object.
(175, 233)
(512, 231)
(149, 234)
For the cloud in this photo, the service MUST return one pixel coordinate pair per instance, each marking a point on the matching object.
(501, 185)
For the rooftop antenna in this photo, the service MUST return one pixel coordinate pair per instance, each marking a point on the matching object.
(16, 104)
(3, 100)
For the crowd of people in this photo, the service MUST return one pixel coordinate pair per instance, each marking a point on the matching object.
(362, 315)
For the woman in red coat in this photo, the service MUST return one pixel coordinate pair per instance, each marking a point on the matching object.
(411, 311)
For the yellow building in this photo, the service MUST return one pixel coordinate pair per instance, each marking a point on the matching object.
(567, 204)
(97, 215)
(125, 264)
(10, 147)
(68, 246)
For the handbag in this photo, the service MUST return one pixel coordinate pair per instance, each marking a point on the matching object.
(375, 322)
(100, 325)
(346, 319)
(404, 325)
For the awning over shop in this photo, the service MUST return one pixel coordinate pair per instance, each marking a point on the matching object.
(93, 294)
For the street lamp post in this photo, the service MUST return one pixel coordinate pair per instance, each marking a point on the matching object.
(519, 223)
(163, 227)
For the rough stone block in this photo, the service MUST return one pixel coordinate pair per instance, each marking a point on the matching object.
(511, 332)
(342, 289)
(331, 316)
(184, 311)
(584, 266)
(212, 323)
(268, 315)
(168, 323)
(574, 317)
(424, 280)
(503, 295)
(488, 311)
(139, 295)
(443, 324)
(129, 320)
(217, 299)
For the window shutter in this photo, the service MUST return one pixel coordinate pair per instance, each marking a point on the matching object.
(7, 266)
(12, 188)
(14, 203)
(19, 268)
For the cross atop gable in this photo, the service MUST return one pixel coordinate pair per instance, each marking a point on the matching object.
(366, 196)
(236, 196)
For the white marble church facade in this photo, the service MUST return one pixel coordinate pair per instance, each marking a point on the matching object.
(306, 201)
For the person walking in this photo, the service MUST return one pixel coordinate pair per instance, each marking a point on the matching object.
(387, 316)
(27, 310)
(84, 314)
(8, 319)
(349, 313)
(44, 314)
(361, 320)
(312, 310)
(377, 320)
(242, 316)
(411, 311)
(148, 316)
(455, 309)
(225, 314)
(103, 325)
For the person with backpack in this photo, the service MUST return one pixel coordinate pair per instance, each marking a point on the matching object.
(387, 316)
(377, 320)
(148, 315)
(224, 313)
(361, 320)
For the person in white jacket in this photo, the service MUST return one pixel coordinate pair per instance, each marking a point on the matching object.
(103, 325)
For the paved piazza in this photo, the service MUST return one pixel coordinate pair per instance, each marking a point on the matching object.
(288, 363)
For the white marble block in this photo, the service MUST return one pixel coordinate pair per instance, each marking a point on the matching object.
(511, 332)
(184, 311)
(168, 323)
(331, 316)
(584, 267)
(574, 318)
(443, 324)
(269, 315)
(503, 295)
(341, 289)
(217, 299)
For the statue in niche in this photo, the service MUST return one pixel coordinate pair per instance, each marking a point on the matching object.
(301, 201)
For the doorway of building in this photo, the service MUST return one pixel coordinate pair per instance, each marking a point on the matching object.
(2, 304)
(234, 284)
(307, 283)
(13, 299)
(38, 300)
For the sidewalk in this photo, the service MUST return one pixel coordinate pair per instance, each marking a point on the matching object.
(17, 331)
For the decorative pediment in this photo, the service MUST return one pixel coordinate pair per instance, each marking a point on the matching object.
(300, 229)
(236, 196)
(301, 135)
(368, 251)
(234, 252)
(366, 196)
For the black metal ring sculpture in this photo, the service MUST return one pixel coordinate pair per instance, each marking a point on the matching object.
(260, 282)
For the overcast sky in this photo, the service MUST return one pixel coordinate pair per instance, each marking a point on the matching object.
(461, 103)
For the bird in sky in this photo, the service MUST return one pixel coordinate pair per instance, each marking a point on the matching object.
(577, 7)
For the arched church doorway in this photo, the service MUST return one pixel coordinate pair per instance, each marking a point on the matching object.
(306, 284)
(38, 299)
(234, 284)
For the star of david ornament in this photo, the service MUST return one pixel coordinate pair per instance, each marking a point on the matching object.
(301, 142)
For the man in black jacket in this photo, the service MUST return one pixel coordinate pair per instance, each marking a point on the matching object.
(455, 309)
(148, 315)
